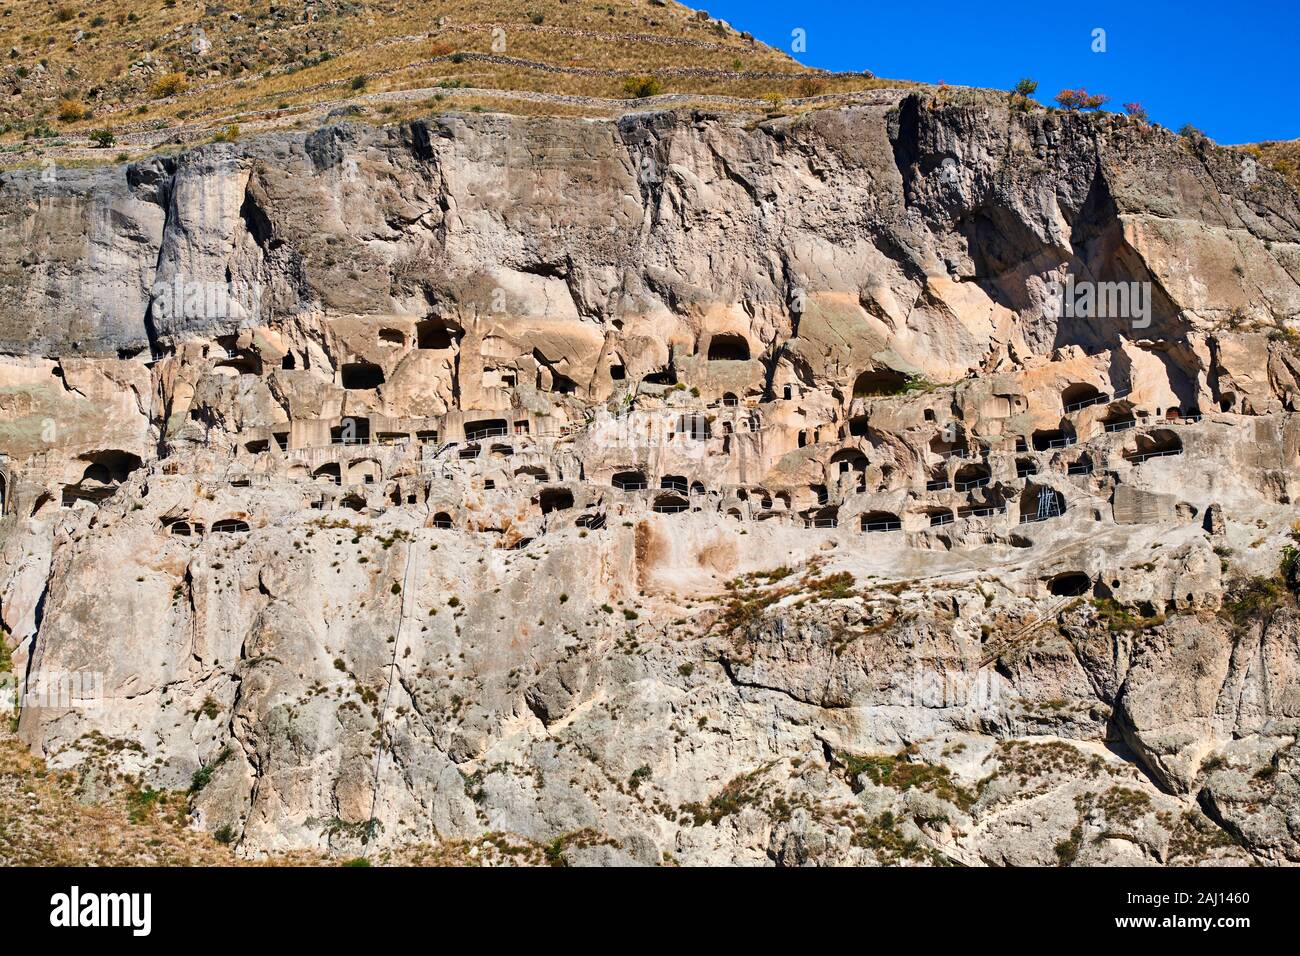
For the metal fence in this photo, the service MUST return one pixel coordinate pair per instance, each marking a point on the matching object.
(1100, 399)
(1137, 459)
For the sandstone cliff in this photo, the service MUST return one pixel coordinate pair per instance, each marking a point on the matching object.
(686, 487)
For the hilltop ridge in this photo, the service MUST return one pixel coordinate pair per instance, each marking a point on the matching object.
(164, 71)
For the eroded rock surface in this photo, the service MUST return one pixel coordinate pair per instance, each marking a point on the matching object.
(686, 488)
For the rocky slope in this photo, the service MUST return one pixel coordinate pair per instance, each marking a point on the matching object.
(153, 74)
(677, 488)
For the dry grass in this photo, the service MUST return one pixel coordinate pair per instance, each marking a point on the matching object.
(42, 823)
(134, 65)
(1284, 157)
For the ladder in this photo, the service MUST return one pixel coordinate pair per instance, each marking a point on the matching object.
(1048, 505)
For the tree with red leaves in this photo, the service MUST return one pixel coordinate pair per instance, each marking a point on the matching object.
(1080, 99)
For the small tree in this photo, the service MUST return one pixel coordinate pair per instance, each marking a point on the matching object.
(102, 138)
(808, 86)
(1080, 99)
(1021, 93)
(1026, 87)
(1137, 111)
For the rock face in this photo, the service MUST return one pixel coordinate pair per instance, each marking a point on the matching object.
(684, 488)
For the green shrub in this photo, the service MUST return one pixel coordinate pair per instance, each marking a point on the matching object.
(141, 803)
(1249, 602)
(639, 87)
(1290, 555)
(1120, 619)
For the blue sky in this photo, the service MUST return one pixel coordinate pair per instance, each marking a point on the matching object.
(1227, 68)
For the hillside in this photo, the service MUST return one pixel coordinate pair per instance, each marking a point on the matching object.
(161, 71)
(55, 819)
(682, 479)
(1284, 157)
(692, 487)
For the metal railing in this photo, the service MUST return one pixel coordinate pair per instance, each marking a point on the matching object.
(963, 453)
(821, 522)
(482, 433)
(982, 512)
(1121, 425)
(882, 526)
(1033, 518)
(973, 483)
(629, 485)
(1136, 459)
(945, 518)
(1100, 399)
(937, 485)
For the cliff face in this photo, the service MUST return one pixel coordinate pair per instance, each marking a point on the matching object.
(668, 487)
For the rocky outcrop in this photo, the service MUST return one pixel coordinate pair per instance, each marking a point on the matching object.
(683, 488)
